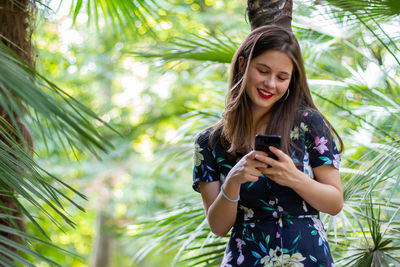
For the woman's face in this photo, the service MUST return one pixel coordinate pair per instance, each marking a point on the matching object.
(268, 79)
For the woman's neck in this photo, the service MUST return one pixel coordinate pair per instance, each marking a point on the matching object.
(260, 123)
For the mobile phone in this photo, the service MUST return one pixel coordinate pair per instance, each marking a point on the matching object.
(264, 141)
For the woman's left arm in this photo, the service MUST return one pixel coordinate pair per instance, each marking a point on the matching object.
(324, 193)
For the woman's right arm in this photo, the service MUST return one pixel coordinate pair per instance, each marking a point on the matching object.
(221, 213)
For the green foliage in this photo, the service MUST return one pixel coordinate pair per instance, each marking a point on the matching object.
(208, 48)
(370, 9)
(123, 16)
(30, 96)
(156, 72)
(378, 248)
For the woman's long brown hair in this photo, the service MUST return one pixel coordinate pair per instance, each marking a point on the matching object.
(235, 128)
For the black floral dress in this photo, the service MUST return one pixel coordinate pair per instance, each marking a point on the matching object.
(274, 225)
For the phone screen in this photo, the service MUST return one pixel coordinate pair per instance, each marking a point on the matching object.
(263, 141)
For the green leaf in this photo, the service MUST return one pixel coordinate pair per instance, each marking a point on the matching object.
(209, 48)
(255, 254)
(296, 239)
(312, 258)
(314, 232)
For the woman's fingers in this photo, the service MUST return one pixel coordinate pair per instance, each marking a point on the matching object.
(254, 172)
(255, 163)
(279, 153)
(251, 167)
(281, 171)
(246, 169)
(265, 160)
(282, 157)
(252, 178)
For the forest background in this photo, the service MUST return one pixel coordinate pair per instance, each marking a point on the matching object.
(155, 73)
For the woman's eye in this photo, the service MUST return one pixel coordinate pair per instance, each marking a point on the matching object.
(282, 78)
(263, 71)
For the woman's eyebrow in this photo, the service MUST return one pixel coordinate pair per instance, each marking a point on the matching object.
(268, 67)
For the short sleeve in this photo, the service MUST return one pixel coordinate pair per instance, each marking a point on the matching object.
(320, 143)
(205, 168)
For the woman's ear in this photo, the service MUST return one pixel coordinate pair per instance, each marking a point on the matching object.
(241, 64)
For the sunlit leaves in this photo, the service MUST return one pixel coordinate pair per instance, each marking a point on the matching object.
(367, 8)
(124, 16)
(200, 48)
(49, 105)
(33, 98)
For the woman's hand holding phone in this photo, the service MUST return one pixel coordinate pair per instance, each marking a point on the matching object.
(282, 171)
(279, 167)
(266, 159)
(247, 169)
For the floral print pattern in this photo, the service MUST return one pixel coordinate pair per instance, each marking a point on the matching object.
(239, 246)
(227, 258)
(274, 226)
(320, 228)
(248, 213)
(294, 134)
(320, 144)
(197, 156)
(336, 160)
(277, 258)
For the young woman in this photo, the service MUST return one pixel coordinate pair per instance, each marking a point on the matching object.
(272, 206)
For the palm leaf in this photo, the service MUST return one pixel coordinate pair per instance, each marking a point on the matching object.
(367, 13)
(378, 249)
(26, 246)
(122, 15)
(382, 9)
(200, 48)
(182, 228)
(49, 104)
(382, 41)
(33, 99)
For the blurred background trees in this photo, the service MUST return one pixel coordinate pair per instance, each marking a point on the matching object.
(156, 72)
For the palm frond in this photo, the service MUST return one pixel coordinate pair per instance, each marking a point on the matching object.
(13, 249)
(382, 41)
(32, 98)
(200, 48)
(381, 9)
(124, 16)
(184, 229)
(48, 104)
(378, 248)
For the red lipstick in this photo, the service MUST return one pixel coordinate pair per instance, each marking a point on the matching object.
(264, 94)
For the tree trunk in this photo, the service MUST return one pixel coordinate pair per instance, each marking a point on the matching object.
(101, 256)
(16, 27)
(15, 32)
(267, 12)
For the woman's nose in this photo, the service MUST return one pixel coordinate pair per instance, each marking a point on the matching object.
(269, 81)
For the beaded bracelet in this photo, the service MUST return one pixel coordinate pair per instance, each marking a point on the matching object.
(227, 198)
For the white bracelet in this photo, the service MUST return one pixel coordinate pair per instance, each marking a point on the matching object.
(227, 198)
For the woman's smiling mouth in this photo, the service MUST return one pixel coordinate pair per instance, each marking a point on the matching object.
(264, 94)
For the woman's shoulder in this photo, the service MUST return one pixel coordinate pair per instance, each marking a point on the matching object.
(308, 112)
(203, 137)
(210, 138)
(313, 122)
(309, 116)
